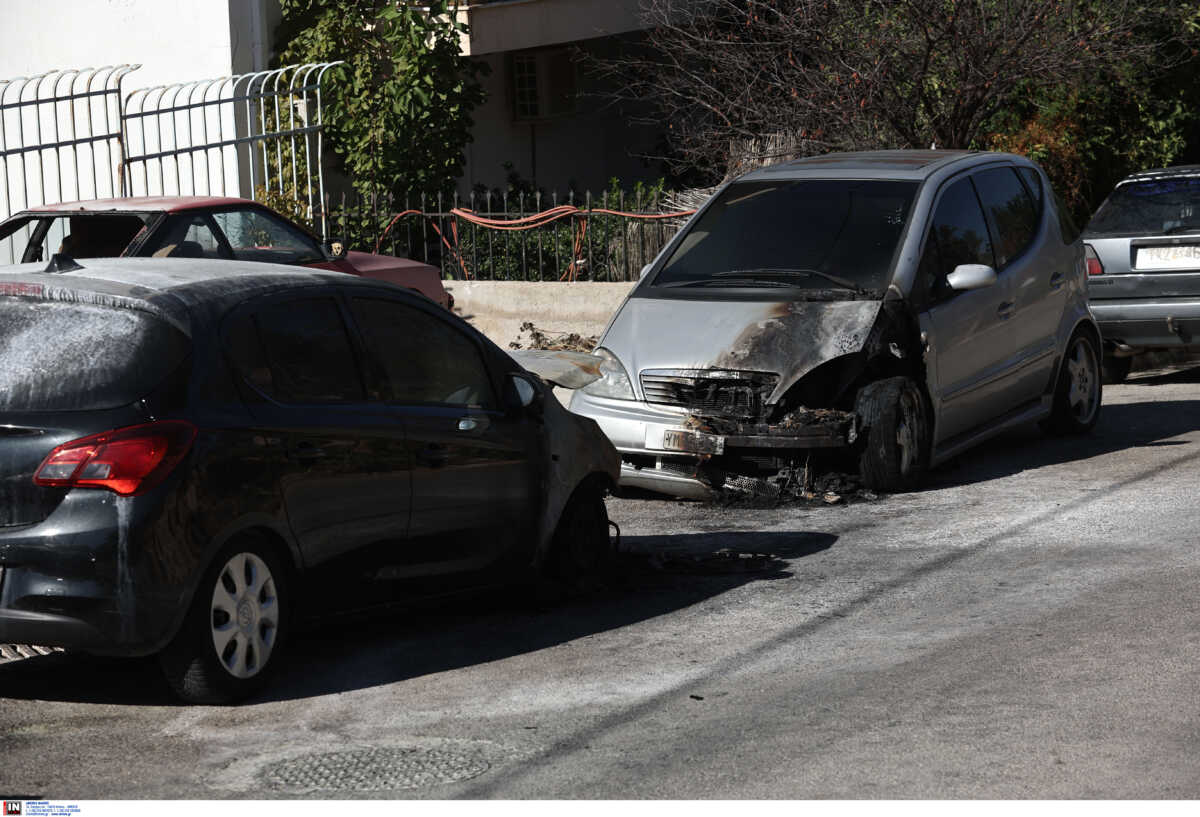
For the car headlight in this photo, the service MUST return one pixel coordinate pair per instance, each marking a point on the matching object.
(614, 382)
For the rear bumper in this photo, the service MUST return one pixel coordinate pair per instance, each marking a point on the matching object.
(1149, 324)
(77, 580)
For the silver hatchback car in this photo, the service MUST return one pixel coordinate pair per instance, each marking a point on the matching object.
(1143, 256)
(894, 307)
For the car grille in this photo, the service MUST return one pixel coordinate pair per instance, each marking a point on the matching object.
(710, 392)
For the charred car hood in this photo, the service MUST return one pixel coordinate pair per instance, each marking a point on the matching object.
(789, 338)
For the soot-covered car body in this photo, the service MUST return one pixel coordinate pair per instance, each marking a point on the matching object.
(190, 449)
(197, 227)
(894, 306)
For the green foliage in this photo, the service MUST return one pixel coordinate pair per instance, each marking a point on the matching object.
(1089, 135)
(398, 113)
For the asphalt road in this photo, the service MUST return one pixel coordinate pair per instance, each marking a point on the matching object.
(1027, 626)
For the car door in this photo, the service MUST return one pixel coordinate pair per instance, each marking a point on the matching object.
(1037, 269)
(969, 335)
(475, 483)
(346, 478)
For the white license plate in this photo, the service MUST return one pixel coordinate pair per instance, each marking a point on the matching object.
(1182, 256)
(692, 442)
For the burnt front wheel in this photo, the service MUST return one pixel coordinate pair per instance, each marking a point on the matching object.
(581, 552)
(895, 435)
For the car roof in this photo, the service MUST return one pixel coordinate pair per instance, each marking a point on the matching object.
(1179, 171)
(140, 204)
(874, 164)
(175, 289)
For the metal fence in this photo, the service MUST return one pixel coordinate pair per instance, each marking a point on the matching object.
(60, 136)
(519, 236)
(239, 135)
(75, 135)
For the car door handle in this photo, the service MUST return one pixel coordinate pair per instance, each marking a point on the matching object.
(476, 424)
(1056, 281)
(434, 455)
(308, 452)
(1005, 310)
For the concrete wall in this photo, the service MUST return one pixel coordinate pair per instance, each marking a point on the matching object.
(510, 25)
(498, 308)
(597, 142)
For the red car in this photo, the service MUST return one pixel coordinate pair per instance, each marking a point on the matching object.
(196, 227)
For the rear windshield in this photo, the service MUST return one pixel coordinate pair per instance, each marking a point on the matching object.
(836, 234)
(1152, 207)
(57, 356)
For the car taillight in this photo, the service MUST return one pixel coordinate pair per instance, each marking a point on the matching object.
(1094, 267)
(127, 461)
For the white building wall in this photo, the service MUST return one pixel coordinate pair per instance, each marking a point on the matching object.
(174, 41)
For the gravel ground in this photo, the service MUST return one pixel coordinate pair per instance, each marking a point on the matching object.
(1027, 626)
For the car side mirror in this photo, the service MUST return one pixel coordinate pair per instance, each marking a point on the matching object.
(525, 393)
(971, 276)
(335, 249)
(645, 270)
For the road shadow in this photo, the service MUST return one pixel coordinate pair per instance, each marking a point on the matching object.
(653, 576)
(1122, 426)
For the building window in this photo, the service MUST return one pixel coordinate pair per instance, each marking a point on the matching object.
(525, 86)
(543, 84)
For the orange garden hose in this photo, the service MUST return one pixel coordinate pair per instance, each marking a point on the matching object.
(524, 223)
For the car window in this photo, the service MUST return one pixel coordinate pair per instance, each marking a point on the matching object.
(1011, 211)
(1151, 207)
(794, 232)
(298, 352)
(15, 236)
(100, 235)
(185, 235)
(67, 356)
(425, 360)
(254, 235)
(1033, 183)
(960, 230)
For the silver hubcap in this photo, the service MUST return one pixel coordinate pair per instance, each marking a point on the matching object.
(245, 615)
(906, 433)
(1085, 382)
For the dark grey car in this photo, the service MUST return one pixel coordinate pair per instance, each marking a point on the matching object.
(1143, 256)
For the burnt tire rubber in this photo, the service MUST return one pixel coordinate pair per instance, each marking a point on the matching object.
(242, 603)
(895, 435)
(581, 553)
(1115, 369)
(1077, 392)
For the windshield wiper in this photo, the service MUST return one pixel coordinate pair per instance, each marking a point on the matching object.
(844, 283)
(729, 282)
(1180, 228)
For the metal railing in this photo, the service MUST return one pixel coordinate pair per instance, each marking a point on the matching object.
(197, 138)
(60, 136)
(607, 237)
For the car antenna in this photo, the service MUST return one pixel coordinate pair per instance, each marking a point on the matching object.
(61, 262)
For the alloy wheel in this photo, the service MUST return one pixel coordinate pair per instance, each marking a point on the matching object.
(1085, 381)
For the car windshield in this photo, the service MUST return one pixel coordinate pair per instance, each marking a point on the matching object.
(812, 234)
(1151, 207)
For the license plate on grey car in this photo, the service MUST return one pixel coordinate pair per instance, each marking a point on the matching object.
(692, 442)
(1183, 256)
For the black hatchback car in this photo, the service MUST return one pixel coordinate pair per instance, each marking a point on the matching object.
(190, 451)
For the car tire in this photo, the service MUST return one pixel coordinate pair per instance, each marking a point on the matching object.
(1077, 392)
(895, 436)
(581, 552)
(235, 630)
(1115, 369)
